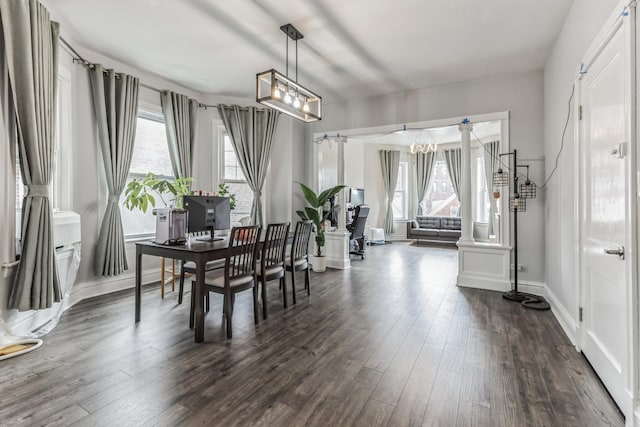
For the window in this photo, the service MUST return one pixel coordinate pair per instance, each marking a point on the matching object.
(400, 197)
(150, 154)
(443, 202)
(234, 178)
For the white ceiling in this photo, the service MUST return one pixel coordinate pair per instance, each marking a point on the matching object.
(351, 48)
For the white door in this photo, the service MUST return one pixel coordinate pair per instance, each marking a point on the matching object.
(605, 226)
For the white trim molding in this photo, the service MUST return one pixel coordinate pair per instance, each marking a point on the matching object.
(95, 288)
(484, 266)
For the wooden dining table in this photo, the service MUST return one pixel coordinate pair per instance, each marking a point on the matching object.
(199, 252)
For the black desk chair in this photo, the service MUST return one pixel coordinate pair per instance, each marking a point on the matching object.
(356, 245)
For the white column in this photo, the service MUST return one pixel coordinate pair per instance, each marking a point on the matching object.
(465, 184)
(342, 213)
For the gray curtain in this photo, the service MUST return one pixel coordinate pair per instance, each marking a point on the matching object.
(251, 132)
(180, 117)
(424, 169)
(115, 102)
(453, 158)
(390, 162)
(31, 55)
(491, 153)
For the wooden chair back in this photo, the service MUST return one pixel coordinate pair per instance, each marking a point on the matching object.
(275, 243)
(300, 244)
(241, 260)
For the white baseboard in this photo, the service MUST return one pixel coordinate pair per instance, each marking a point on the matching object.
(487, 284)
(94, 288)
(535, 288)
(568, 323)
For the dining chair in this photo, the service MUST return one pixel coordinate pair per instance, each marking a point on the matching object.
(239, 274)
(298, 258)
(271, 264)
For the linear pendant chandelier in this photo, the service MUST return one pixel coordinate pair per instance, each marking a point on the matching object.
(277, 90)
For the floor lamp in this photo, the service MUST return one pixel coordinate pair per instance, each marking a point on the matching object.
(518, 203)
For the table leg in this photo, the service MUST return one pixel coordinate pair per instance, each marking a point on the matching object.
(199, 306)
(138, 281)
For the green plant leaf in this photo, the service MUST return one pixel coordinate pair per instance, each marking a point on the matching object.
(310, 196)
(302, 215)
(312, 214)
(329, 193)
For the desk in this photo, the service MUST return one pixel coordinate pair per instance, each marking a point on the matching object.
(198, 252)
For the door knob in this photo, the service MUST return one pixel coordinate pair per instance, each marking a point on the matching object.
(619, 252)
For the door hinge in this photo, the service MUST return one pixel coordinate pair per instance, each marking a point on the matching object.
(579, 112)
(580, 314)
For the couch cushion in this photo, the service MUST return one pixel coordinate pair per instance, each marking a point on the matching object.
(449, 233)
(424, 232)
(428, 221)
(450, 223)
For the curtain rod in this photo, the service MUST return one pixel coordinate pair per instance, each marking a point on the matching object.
(78, 59)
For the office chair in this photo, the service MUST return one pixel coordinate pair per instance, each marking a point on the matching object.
(356, 240)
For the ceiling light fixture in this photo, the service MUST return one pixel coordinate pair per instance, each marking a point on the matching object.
(270, 83)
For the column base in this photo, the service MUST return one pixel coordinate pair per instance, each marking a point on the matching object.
(484, 266)
(336, 249)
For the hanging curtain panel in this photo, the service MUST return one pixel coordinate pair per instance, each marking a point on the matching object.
(390, 163)
(491, 153)
(115, 102)
(31, 55)
(424, 170)
(453, 159)
(180, 116)
(251, 132)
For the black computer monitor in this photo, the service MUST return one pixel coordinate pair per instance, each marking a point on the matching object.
(356, 197)
(207, 213)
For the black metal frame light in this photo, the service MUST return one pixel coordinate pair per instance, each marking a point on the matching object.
(528, 189)
(518, 203)
(500, 178)
(278, 91)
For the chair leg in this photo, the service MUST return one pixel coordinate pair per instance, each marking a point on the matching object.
(228, 310)
(256, 309)
(293, 284)
(283, 286)
(207, 302)
(264, 298)
(307, 280)
(181, 289)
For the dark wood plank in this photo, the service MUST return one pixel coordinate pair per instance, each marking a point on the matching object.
(380, 344)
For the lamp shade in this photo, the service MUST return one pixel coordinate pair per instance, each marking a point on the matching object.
(277, 91)
(527, 190)
(500, 178)
(517, 203)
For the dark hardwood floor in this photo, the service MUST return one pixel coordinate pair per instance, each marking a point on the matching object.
(390, 342)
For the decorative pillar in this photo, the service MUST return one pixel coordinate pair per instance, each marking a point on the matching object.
(465, 185)
(337, 242)
(342, 214)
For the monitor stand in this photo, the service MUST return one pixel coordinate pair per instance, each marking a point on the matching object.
(210, 237)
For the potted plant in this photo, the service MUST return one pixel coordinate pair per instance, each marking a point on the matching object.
(138, 193)
(314, 213)
(224, 191)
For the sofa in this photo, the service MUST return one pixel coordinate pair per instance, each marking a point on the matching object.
(435, 229)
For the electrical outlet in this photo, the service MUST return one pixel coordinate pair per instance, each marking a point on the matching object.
(520, 267)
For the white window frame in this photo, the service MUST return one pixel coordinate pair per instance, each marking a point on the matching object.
(403, 176)
(222, 132)
(147, 112)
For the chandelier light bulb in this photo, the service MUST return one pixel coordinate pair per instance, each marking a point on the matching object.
(296, 102)
(305, 107)
(287, 98)
(276, 93)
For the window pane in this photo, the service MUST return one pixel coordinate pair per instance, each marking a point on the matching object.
(150, 154)
(398, 205)
(441, 200)
(244, 199)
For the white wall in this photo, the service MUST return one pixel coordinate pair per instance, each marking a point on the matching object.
(520, 93)
(583, 23)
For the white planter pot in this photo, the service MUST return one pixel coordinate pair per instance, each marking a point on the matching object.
(318, 264)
